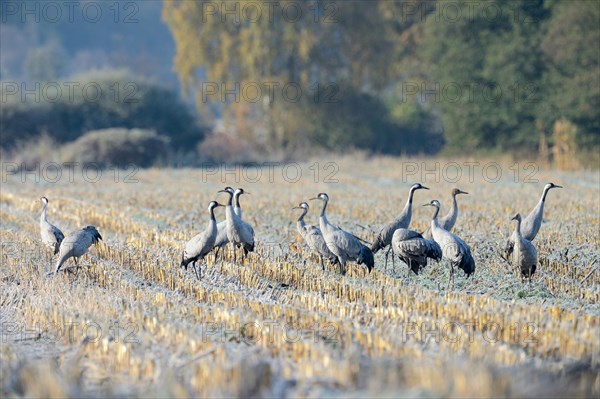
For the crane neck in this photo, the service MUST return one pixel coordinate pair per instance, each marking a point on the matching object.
(434, 219)
(410, 196)
(518, 228)
(546, 189)
(212, 214)
(237, 199)
(323, 209)
(43, 215)
(301, 217)
(230, 200)
(454, 209)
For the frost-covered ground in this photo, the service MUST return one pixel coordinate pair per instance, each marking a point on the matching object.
(133, 324)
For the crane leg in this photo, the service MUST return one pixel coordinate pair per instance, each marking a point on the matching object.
(196, 270)
(342, 267)
(451, 277)
(322, 264)
(386, 258)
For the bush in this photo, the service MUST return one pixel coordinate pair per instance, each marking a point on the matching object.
(123, 101)
(118, 147)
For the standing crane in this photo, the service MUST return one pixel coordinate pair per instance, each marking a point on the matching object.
(414, 250)
(524, 252)
(201, 244)
(221, 241)
(239, 233)
(531, 224)
(455, 250)
(401, 222)
(313, 236)
(51, 235)
(76, 244)
(343, 245)
(447, 222)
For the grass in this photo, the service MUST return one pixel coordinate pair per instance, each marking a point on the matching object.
(133, 324)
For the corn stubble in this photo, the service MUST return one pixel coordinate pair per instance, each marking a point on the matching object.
(131, 323)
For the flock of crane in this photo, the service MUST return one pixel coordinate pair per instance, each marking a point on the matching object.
(331, 242)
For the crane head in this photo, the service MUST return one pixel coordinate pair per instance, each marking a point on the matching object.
(241, 191)
(213, 204)
(457, 191)
(516, 217)
(44, 200)
(551, 185)
(419, 186)
(227, 190)
(434, 203)
(302, 205)
(321, 196)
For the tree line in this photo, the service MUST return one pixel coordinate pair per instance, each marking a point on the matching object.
(394, 76)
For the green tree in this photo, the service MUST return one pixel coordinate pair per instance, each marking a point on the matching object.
(489, 71)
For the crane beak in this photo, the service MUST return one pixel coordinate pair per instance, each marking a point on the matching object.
(555, 186)
(297, 207)
(463, 192)
(246, 192)
(314, 198)
(218, 205)
(426, 188)
(426, 205)
(223, 191)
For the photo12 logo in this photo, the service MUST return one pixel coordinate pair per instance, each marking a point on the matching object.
(69, 172)
(126, 12)
(289, 172)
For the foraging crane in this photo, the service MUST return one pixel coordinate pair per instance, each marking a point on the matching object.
(447, 222)
(525, 254)
(76, 244)
(51, 235)
(414, 250)
(313, 236)
(401, 222)
(201, 244)
(455, 250)
(239, 233)
(531, 224)
(222, 239)
(343, 245)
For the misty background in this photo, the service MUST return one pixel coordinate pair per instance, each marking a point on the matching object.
(180, 83)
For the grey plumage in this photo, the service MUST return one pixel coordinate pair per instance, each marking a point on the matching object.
(76, 244)
(454, 249)
(414, 250)
(313, 237)
(384, 238)
(201, 244)
(524, 252)
(51, 235)
(531, 224)
(345, 246)
(447, 222)
(239, 233)
(221, 241)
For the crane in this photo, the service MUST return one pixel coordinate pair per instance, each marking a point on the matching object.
(447, 222)
(531, 224)
(524, 252)
(345, 246)
(455, 250)
(51, 235)
(313, 236)
(76, 244)
(239, 233)
(413, 249)
(201, 244)
(401, 222)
